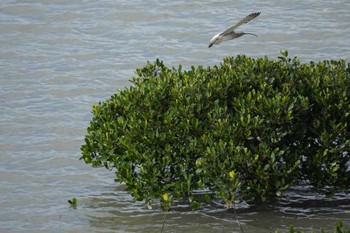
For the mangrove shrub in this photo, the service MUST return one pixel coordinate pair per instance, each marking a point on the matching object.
(252, 127)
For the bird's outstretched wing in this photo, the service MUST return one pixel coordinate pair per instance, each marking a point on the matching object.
(242, 21)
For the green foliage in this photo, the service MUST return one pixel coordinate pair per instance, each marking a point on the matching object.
(253, 126)
(340, 228)
(73, 202)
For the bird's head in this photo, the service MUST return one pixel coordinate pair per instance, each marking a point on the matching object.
(215, 40)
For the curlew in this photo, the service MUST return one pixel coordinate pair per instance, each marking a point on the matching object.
(230, 33)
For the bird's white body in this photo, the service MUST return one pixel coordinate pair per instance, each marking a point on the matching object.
(230, 33)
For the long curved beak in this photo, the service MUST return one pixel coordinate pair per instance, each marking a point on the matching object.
(251, 34)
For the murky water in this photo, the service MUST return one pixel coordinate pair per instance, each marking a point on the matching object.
(59, 57)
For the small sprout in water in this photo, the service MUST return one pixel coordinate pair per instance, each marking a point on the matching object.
(73, 202)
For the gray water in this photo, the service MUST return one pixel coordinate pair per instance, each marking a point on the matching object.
(59, 57)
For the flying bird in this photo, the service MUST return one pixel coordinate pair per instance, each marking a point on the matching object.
(230, 33)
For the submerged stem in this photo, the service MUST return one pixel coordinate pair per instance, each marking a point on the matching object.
(239, 223)
(163, 222)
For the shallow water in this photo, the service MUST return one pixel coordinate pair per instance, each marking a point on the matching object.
(59, 57)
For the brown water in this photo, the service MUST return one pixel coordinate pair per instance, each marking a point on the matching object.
(59, 57)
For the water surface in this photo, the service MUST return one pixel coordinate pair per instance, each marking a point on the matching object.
(59, 57)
